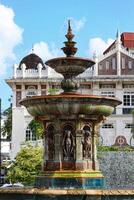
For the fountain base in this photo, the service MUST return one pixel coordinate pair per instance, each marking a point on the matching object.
(70, 180)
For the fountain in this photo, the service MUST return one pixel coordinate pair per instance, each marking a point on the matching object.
(71, 123)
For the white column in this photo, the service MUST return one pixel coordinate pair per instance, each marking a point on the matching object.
(14, 70)
(39, 89)
(39, 69)
(23, 67)
(118, 63)
(118, 46)
(95, 66)
(23, 93)
(119, 95)
(14, 95)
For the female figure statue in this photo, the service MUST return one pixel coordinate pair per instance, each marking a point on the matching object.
(87, 145)
(68, 145)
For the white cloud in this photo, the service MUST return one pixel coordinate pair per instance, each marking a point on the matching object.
(46, 51)
(98, 45)
(78, 24)
(10, 37)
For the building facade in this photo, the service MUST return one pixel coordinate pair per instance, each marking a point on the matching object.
(112, 75)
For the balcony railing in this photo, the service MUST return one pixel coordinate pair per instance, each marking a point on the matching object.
(30, 73)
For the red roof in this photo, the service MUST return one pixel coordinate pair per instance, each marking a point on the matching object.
(127, 39)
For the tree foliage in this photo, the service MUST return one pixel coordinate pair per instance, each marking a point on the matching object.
(26, 166)
(37, 128)
(6, 129)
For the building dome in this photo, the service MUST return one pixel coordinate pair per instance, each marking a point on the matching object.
(31, 61)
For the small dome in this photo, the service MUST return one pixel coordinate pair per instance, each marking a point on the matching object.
(31, 61)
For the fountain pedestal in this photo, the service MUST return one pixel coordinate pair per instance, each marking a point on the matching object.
(71, 155)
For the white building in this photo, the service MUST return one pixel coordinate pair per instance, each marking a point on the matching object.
(112, 75)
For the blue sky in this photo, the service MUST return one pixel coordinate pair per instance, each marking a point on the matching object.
(42, 23)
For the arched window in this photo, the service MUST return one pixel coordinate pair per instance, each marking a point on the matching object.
(31, 91)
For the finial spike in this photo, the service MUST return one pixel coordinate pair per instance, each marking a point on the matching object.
(32, 48)
(118, 36)
(69, 26)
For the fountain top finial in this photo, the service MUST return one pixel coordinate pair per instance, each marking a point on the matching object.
(69, 48)
(69, 34)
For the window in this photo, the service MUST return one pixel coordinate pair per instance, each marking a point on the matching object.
(56, 87)
(128, 86)
(82, 86)
(128, 99)
(113, 63)
(18, 87)
(129, 126)
(107, 65)
(127, 110)
(108, 126)
(108, 93)
(100, 66)
(129, 64)
(107, 86)
(31, 91)
(29, 135)
(123, 63)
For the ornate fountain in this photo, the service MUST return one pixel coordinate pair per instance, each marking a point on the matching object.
(71, 122)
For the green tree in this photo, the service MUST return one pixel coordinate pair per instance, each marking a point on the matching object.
(37, 128)
(6, 129)
(26, 166)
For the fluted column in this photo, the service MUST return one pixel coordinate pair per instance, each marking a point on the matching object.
(57, 142)
(79, 151)
(94, 149)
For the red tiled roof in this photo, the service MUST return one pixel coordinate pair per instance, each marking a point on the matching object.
(127, 39)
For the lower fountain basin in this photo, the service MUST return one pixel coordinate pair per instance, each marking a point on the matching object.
(70, 104)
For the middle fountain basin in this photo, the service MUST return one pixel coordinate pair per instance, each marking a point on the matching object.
(72, 104)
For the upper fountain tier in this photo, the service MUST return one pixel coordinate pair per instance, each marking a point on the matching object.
(69, 66)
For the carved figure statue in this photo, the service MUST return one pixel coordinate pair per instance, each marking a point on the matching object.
(87, 145)
(68, 145)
